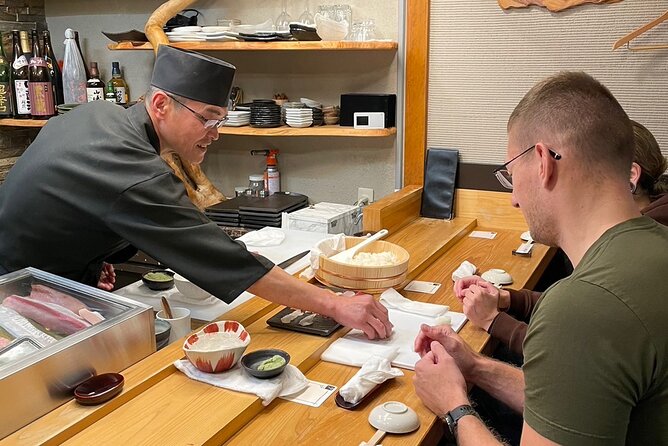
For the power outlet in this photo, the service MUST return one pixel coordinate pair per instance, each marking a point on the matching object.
(364, 192)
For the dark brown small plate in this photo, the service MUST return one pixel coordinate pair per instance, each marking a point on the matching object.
(348, 406)
(99, 389)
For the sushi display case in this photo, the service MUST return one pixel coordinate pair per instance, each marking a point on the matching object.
(56, 333)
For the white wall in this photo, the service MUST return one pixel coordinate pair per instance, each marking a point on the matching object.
(326, 169)
(483, 60)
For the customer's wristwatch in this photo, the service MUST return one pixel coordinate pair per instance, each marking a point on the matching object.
(452, 418)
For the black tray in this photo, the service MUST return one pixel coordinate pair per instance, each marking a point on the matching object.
(322, 325)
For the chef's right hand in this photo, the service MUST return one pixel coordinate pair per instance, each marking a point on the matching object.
(365, 313)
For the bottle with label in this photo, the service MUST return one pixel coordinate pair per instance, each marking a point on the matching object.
(20, 77)
(118, 84)
(109, 94)
(54, 68)
(94, 86)
(74, 75)
(5, 91)
(39, 85)
(272, 177)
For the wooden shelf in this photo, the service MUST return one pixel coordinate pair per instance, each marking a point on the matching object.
(9, 122)
(265, 46)
(324, 130)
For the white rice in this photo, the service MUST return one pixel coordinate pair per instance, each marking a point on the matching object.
(216, 341)
(384, 258)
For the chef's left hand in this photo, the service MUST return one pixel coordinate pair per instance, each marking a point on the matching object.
(107, 277)
(438, 382)
(365, 313)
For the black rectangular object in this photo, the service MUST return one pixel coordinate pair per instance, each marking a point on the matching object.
(359, 102)
(438, 193)
(322, 325)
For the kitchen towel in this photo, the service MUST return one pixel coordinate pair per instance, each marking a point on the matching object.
(376, 370)
(263, 237)
(464, 270)
(392, 299)
(237, 379)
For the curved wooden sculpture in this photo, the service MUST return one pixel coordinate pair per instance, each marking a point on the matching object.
(201, 190)
(552, 5)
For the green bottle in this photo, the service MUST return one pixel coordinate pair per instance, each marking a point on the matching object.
(110, 94)
(5, 90)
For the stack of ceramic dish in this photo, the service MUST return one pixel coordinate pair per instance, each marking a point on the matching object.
(64, 108)
(265, 113)
(311, 103)
(186, 34)
(331, 114)
(299, 117)
(318, 117)
(287, 105)
(238, 118)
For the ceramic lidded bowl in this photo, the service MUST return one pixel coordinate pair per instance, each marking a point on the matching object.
(214, 359)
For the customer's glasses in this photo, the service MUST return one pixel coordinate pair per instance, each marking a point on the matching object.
(208, 123)
(503, 175)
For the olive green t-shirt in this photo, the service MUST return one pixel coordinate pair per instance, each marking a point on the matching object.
(596, 353)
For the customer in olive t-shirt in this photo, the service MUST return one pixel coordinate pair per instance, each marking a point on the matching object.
(596, 352)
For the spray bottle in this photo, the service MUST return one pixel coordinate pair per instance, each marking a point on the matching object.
(272, 177)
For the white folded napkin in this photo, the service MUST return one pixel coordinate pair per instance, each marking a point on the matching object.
(355, 353)
(392, 299)
(465, 269)
(290, 381)
(263, 237)
(327, 247)
(376, 370)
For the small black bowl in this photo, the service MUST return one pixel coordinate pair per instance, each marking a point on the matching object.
(158, 285)
(162, 331)
(252, 360)
(99, 389)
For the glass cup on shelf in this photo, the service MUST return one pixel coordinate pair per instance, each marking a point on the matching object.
(284, 19)
(307, 18)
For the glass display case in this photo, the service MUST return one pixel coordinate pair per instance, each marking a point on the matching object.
(56, 333)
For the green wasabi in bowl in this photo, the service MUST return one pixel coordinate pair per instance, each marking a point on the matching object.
(272, 363)
(158, 276)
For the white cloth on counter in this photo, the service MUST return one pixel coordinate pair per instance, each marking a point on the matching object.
(464, 270)
(392, 299)
(375, 371)
(355, 353)
(263, 237)
(328, 247)
(291, 381)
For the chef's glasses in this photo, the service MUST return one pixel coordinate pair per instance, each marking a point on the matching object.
(503, 175)
(208, 123)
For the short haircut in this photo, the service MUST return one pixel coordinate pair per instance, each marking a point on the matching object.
(572, 109)
(152, 90)
(647, 154)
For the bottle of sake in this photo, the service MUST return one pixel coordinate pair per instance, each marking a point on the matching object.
(20, 77)
(118, 84)
(76, 39)
(5, 90)
(40, 88)
(94, 85)
(54, 68)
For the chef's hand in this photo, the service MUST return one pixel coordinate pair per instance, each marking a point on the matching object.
(481, 304)
(438, 381)
(465, 358)
(365, 313)
(107, 277)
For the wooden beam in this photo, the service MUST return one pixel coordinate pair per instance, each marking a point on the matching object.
(417, 86)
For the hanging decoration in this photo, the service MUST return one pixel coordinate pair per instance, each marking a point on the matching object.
(552, 5)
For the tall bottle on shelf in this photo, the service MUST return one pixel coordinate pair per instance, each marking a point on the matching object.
(54, 68)
(5, 81)
(74, 74)
(94, 86)
(76, 39)
(20, 78)
(118, 84)
(40, 87)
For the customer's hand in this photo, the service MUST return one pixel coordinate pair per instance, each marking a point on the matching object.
(465, 358)
(465, 283)
(481, 304)
(107, 277)
(438, 381)
(365, 313)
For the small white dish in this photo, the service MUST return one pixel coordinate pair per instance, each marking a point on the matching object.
(186, 30)
(497, 277)
(526, 236)
(394, 417)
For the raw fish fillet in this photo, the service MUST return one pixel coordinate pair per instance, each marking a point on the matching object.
(4, 342)
(292, 316)
(18, 326)
(52, 316)
(45, 294)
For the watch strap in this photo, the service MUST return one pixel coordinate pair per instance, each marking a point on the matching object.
(452, 418)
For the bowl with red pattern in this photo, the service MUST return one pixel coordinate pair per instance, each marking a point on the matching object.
(217, 347)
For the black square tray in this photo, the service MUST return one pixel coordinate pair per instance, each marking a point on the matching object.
(322, 325)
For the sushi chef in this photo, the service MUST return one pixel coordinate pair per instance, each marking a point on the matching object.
(93, 182)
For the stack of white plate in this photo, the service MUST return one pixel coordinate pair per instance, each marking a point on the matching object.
(299, 117)
(238, 118)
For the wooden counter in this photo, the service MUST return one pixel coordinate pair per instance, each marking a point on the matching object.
(159, 405)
